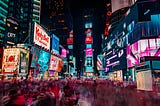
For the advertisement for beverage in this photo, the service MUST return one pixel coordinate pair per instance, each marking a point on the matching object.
(11, 61)
(41, 37)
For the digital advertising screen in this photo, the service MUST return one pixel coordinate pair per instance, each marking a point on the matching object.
(116, 61)
(56, 63)
(145, 47)
(35, 55)
(24, 61)
(43, 60)
(11, 61)
(89, 52)
(119, 4)
(55, 44)
(41, 37)
(64, 52)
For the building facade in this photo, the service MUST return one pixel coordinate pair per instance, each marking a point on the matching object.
(134, 37)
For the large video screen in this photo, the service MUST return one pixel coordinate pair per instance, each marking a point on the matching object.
(35, 55)
(55, 44)
(11, 60)
(56, 63)
(41, 37)
(145, 47)
(43, 60)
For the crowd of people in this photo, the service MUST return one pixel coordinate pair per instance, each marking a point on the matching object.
(74, 92)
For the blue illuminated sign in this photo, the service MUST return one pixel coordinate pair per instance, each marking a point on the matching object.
(55, 44)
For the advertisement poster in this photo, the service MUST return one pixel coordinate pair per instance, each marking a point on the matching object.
(43, 60)
(53, 63)
(41, 37)
(11, 60)
(60, 65)
(55, 44)
(144, 80)
(145, 47)
(35, 55)
(24, 61)
(89, 52)
(56, 64)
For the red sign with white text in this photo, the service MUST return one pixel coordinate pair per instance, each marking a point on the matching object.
(41, 38)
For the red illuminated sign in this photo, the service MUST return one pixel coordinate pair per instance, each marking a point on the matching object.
(88, 40)
(70, 40)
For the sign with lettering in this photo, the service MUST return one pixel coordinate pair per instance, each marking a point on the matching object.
(41, 37)
(11, 60)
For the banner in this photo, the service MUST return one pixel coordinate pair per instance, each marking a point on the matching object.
(55, 44)
(43, 60)
(11, 60)
(35, 55)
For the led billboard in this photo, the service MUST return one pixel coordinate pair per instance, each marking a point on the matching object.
(11, 61)
(41, 37)
(55, 44)
(89, 52)
(145, 47)
(43, 60)
(89, 40)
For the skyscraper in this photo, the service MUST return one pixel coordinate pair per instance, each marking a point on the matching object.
(55, 19)
(3, 16)
(25, 13)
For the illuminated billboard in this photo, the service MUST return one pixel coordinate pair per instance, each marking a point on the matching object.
(12, 30)
(145, 47)
(43, 60)
(24, 61)
(56, 63)
(116, 61)
(64, 52)
(11, 60)
(55, 44)
(89, 52)
(100, 62)
(41, 37)
(35, 55)
(88, 40)
(70, 40)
